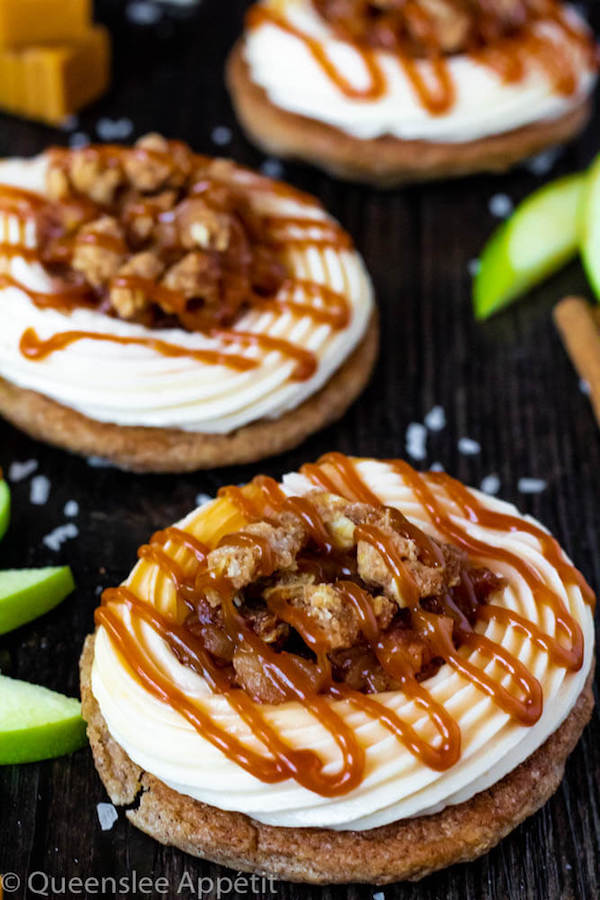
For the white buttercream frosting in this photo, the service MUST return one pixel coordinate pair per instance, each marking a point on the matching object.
(282, 64)
(134, 385)
(396, 784)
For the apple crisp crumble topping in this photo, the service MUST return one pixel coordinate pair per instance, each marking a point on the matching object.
(421, 27)
(294, 578)
(159, 235)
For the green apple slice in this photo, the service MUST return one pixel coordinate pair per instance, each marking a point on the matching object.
(28, 593)
(541, 236)
(4, 507)
(36, 723)
(590, 238)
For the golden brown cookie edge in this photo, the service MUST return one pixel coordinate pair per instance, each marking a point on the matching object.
(141, 449)
(384, 162)
(404, 850)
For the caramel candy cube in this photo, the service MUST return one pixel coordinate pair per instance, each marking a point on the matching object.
(32, 22)
(53, 82)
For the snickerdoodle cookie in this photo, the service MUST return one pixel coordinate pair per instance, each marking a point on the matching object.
(387, 92)
(354, 675)
(169, 311)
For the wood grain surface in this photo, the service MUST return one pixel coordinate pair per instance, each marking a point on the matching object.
(506, 384)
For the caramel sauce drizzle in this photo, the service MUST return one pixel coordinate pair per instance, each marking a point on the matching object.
(67, 298)
(35, 348)
(184, 539)
(479, 550)
(304, 766)
(259, 15)
(10, 251)
(105, 241)
(306, 363)
(333, 308)
(299, 231)
(263, 499)
(281, 668)
(435, 88)
(343, 479)
(19, 202)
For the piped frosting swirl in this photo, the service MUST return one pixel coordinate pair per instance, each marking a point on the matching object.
(505, 675)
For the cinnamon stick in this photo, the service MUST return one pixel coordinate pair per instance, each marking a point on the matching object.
(578, 324)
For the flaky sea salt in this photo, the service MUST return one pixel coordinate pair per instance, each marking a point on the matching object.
(490, 484)
(98, 462)
(143, 12)
(39, 490)
(501, 206)
(114, 129)
(201, 499)
(435, 419)
(272, 168)
(473, 267)
(584, 387)
(436, 467)
(378, 895)
(221, 135)
(416, 440)
(18, 471)
(468, 447)
(107, 815)
(544, 162)
(63, 533)
(532, 485)
(78, 140)
(71, 509)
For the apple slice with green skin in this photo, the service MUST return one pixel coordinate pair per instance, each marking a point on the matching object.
(4, 507)
(36, 723)
(590, 231)
(26, 594)
(542, 234)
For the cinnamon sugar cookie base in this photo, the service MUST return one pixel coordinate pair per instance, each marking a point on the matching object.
(404, 850)
(172, 450)
(387, 161)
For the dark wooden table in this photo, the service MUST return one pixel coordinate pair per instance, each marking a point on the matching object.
(506, 384)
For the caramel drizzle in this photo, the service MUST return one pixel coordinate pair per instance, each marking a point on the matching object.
(34, 348)
(264, 499)
(343, 480)
(67, 298)
(306, 363)
(335, 310)
(304, 766)
(10, 251)
(572, 656)
(281, 668)
(286, 231)
(184, 539)
(105, 241)
(259, 15)
(299, 231)
(479, 550)
(19, 202)
(528, 710)
(435, 89)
